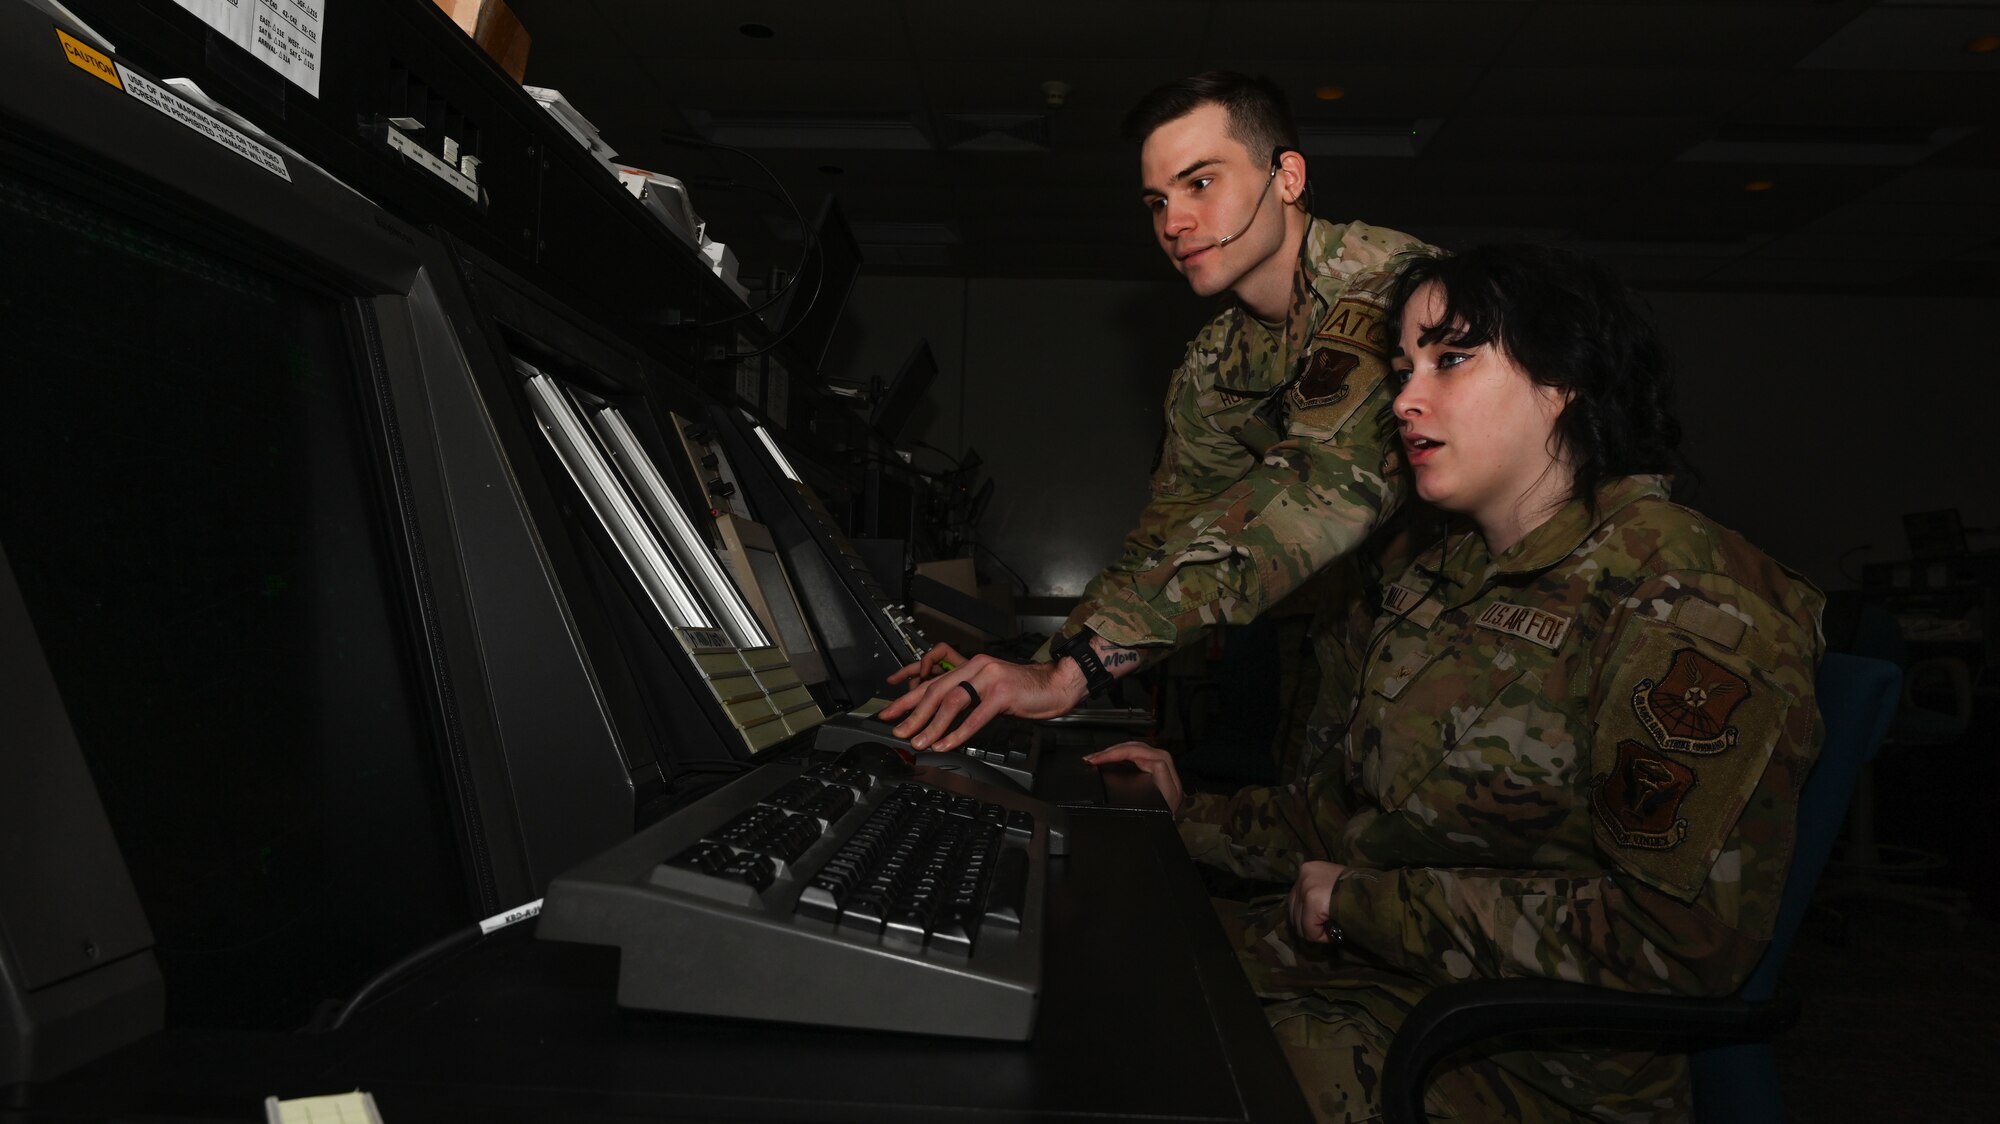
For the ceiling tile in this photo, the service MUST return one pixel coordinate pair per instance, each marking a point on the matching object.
(1060, 29)
(1684, 35)
(1911, 37)
(1874, 98)
(1638, 138)
(1603, 88)
(1444, 34)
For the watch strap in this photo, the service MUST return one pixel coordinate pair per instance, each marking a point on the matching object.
(1095, 678)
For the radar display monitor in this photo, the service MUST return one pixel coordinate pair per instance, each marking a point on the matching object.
(198, 448)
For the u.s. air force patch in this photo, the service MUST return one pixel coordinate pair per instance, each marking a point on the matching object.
(1639, 800)
(1688, 709)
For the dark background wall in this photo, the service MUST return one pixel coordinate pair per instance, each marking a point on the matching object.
(1816, 421)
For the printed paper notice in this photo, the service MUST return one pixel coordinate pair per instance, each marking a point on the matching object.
(203, 122)
(283, 34)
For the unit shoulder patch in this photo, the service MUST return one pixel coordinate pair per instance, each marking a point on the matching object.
(1639, 800)
(1688, 708)
(1325, 381)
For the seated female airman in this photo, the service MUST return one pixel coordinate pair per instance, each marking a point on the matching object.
(1582, 718)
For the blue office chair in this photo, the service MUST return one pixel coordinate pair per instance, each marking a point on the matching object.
(1865, 867)
(1734, 1070)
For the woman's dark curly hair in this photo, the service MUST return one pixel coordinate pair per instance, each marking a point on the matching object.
(1570, 324)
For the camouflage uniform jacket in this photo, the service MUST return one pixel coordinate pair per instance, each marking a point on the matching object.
(1223, 422)
(1580, 760)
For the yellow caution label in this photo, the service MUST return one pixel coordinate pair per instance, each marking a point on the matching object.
(90, 59)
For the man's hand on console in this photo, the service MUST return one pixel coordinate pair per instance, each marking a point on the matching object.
(973, 693)
(1153, 761)
(941, 658)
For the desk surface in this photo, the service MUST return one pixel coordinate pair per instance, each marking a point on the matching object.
(1144, 1015)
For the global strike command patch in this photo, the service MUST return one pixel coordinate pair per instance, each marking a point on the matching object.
(1325, 379)
(1688, 709)
(1639, 801)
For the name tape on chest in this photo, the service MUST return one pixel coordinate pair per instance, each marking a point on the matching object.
(1412, 604)
(1528, 623)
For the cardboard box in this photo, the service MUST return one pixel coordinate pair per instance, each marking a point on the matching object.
(493, 26)
(958, 574)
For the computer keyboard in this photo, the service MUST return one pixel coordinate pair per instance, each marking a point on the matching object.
(828, 889)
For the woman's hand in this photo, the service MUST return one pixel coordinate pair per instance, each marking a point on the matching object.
(1155, 762)
(1312, 899)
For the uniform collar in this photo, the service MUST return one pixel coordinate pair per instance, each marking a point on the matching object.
(1573, 524)
(1318, 260)
(1560, 536)
(1255, 357)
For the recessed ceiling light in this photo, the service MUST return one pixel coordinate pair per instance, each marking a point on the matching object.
(1983, 44)
(1330, 93)
(1760, 185)
(756, 31)
(831, 170)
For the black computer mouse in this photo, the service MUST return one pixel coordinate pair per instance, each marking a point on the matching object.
(971, 769)
(879, 759)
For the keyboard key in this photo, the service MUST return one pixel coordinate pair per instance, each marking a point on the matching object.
(820, 901)
(707, 857)
(1007, 893)
(756, 871)
(956, 932)
(863, 911)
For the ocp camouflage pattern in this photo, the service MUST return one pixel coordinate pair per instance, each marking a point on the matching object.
(1231, 451)
(1579, 761)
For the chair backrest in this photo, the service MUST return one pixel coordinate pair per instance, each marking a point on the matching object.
(1858, 696)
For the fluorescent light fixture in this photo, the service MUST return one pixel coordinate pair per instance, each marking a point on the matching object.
(645, 481)
(771, 447)
(562, 423)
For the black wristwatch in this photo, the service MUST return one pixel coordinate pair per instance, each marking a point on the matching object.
(1077, 647)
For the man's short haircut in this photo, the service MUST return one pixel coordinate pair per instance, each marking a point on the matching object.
(1260, 116)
